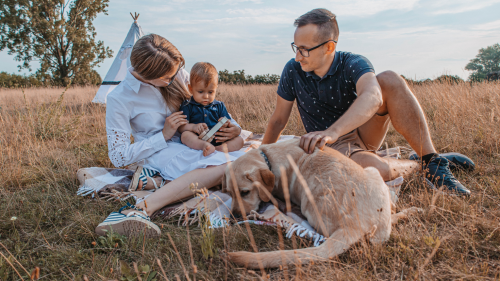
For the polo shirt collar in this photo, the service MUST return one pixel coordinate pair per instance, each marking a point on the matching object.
(192, 101)
(331, 71)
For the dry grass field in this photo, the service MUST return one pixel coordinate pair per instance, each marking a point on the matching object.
(44, 140)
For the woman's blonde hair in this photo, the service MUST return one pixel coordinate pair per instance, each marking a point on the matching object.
(153, 57)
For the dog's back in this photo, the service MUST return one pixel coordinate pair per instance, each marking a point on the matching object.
(349, 201)
(339, 186)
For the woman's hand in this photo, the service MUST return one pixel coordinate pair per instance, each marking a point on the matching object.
(227, 132)
(173, 122)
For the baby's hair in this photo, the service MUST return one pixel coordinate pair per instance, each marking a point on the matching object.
(203, 71)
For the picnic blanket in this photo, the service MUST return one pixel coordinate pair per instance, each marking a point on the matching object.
(112, 184)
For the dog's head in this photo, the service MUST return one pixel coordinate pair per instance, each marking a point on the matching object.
(251, 175)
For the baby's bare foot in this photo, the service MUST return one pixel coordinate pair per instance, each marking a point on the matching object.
(208, 149)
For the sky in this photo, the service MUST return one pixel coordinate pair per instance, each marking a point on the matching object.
(416, 38)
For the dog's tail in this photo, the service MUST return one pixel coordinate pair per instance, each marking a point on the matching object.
(335, 245)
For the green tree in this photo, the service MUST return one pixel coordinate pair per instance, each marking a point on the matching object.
(450, 79)
(488, 60)
(59, 34)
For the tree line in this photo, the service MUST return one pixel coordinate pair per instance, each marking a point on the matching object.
(239, 77)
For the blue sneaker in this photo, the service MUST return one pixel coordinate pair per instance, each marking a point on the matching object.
(456, 160)
(132, 224)
(437, 174)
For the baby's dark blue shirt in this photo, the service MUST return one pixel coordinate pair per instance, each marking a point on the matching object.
(209, 114)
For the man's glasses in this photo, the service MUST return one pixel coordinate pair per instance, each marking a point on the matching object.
(171, 79)
(305, 52)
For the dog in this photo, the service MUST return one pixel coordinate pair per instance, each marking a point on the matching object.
(349, 202)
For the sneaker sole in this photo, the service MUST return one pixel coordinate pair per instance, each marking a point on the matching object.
(130, 227)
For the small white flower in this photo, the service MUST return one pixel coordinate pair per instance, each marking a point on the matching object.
(13, 218)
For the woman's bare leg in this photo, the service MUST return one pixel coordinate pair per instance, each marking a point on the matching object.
(179, 188)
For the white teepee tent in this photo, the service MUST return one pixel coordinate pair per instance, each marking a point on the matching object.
(121, 63)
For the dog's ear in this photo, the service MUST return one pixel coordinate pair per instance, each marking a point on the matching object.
(267, 182)
(224, 190)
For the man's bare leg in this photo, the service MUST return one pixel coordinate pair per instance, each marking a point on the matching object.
(191, 140)
(232, 145)
(389, 168)
(405, 113)
(408, 119)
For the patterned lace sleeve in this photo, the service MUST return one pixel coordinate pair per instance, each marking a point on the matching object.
(117, 140)
(121, 152)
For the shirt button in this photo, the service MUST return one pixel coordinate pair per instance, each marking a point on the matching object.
(321, 91)
(205, 115)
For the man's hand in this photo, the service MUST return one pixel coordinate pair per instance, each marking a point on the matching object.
(227, 132)
(319, 138)
(200, 128)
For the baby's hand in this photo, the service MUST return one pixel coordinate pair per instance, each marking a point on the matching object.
(200, 128)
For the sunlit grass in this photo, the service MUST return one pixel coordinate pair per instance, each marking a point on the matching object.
(43, 142)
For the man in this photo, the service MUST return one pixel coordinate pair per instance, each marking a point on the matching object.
(344, 105)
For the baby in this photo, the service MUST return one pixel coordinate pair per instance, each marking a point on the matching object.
(203, 111)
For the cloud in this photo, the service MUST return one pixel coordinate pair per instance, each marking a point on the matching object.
(487, 26)
(220, 2)
(457, 6)
(258, 12)
(364, 7)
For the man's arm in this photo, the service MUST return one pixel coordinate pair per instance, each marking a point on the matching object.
(367, 103)
(278, 120)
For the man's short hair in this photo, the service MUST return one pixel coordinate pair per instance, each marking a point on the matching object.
(326, 22)
(203, 71)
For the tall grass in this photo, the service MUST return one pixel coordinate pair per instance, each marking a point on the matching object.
(46, 137)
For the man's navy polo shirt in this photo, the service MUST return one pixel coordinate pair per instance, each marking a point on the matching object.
(209, 114)
(321, 101)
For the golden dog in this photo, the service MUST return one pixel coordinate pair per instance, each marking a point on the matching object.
(349, 201)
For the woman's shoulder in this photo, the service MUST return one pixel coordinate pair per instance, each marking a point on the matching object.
(120, 98)
(121, 93)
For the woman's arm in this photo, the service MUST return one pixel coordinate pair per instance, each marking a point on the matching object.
(121, 152)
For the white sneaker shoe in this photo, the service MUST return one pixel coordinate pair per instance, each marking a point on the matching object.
(135, 223)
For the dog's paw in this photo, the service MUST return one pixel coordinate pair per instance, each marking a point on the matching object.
(413, 210)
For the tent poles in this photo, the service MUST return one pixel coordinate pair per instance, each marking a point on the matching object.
(135, 16)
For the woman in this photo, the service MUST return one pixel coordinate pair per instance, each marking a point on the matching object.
(146, 105)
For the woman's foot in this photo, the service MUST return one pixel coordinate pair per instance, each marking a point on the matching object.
(131, 222)
(208, 149)
(140, 180)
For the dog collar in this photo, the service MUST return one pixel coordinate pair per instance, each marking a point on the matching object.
(265, 158)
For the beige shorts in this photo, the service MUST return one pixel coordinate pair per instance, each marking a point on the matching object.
(351, 143)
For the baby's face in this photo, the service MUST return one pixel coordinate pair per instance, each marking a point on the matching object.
(203, 94)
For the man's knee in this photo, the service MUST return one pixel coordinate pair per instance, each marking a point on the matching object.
(393, 87)
(389, 77)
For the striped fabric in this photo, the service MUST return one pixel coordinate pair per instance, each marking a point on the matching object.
(115, 217)
(145, 174)
(148, 173)
(118, 216)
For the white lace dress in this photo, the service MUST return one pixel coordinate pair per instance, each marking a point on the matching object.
(138, 109)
